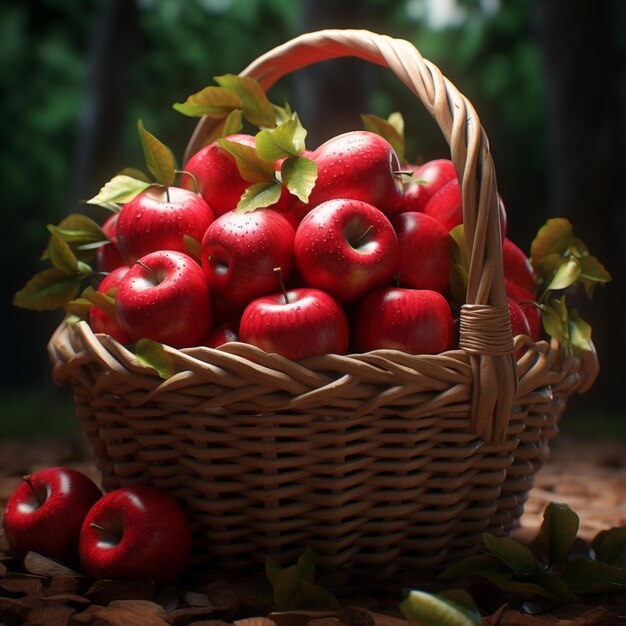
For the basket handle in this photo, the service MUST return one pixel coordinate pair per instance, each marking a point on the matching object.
(485, 330)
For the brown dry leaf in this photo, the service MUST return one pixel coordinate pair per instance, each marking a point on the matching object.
(36, 563)
(67, 584)
(26, 585)
(356, 616)
(105, 591)
(222, 595)
(140, 607)
(3, 569)
(51, 615)
(13, 611)
(187, 615)
(69, 598)
(122, 616)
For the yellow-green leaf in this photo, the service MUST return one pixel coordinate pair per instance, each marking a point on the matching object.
(103, 301)
(119, 189)
(233, 123)
(566, 275)
(579, 333)
(78, 308)
(134, 172)
(193, 247)
(258, 196)
(152, 354)
(251, 167)
(388, 130)
(299, 174)
(159, 158)
(286, 140)
(214, 102)
(554, 237)
(47, 290)
(60, 253)
(425, 609)
(257, 109)
(592, 270)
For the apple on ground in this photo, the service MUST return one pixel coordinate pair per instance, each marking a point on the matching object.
(295, 324)
(528, 303)
(417, 321)
(359, 165)
(517, 267)
(46, 512)
(158, 219)
(108, 255)
(346, 247)
(217, 175)
(432, 176)
(240, 252)
(425, 252)
(99, 320)
(136, 533)
(164, 296)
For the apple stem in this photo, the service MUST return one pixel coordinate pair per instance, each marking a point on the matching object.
(279, 273)
(402, 172)
(194, 180)
(27, 479)
(149, 269)
(368, 230)
(104, 530)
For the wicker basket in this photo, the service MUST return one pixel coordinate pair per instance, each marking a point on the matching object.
(380, 461)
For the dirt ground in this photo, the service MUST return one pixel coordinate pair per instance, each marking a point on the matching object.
(589, 476)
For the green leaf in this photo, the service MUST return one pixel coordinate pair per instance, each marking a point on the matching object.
(592, 270)
(60, 253)
(257, 109)
(153, 354)
(258, 196)
(587, 576)
(579, 333)
(251, 167)
(397, 121)
(458, 282)
(282, 114)
(134, 172)
(388, 130)
(609, 546)
(512, 553)
(233, 123)
(558, 531)
(159, 158)
(484, 565)
(78, 308)
(299, 174)
(566, 274)
(193, 247)
(80, 229)
(425, 609)
(119, 189)
(294, 586)
(285, 140)
(543, 584)
(214, 102)
(47, 290)
(554, 237)
(103, 301)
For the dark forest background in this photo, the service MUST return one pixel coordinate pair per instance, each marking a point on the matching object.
(547, 77)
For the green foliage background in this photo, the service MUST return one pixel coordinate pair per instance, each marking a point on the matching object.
(46, 47)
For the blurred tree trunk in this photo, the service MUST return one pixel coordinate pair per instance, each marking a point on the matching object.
(330, 96)
(98, 149)
(584, 67)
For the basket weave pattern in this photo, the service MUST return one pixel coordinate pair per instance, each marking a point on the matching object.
(381, 460)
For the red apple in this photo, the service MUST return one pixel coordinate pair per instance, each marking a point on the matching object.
(108, 255)
(46, 512)
(99, 320)
(433, 175)
(517, 267)
(347, 248)
(224, 333)
(528, 304)
(296, 324)
(417, 321)
(158, 219)
(359, 165)
(446, 206)
(165, 297)
(519, 323)
(240, 251)
(136, 533)
(216, 172)
(425, 252)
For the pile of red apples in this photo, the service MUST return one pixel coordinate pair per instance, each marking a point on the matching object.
(364, 264)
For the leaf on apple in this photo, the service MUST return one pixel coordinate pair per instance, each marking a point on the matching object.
(103, 301)
(285, 140)
(391, 129)
(152, 354)
(48, 290)
(251, 167)
(294, 586)
(259, 195)
(214, 102)
(77, 310)
(299, 174)
(458, 268)
(119, 189)
(159, 158)
(230, 125)
(257, 109)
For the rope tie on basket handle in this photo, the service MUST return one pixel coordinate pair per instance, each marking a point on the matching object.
(485, 329)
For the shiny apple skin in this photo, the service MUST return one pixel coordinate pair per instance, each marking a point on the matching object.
(310, 323)
(53, 527)
(517, 267)
(240, 252)
(156, 220)
(170, 302)
(417, 321)
(99, 320)
(108, 256)
(346, 247)
(150, 538)
(433, 175)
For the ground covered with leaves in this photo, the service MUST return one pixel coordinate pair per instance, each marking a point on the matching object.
(588, 477)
